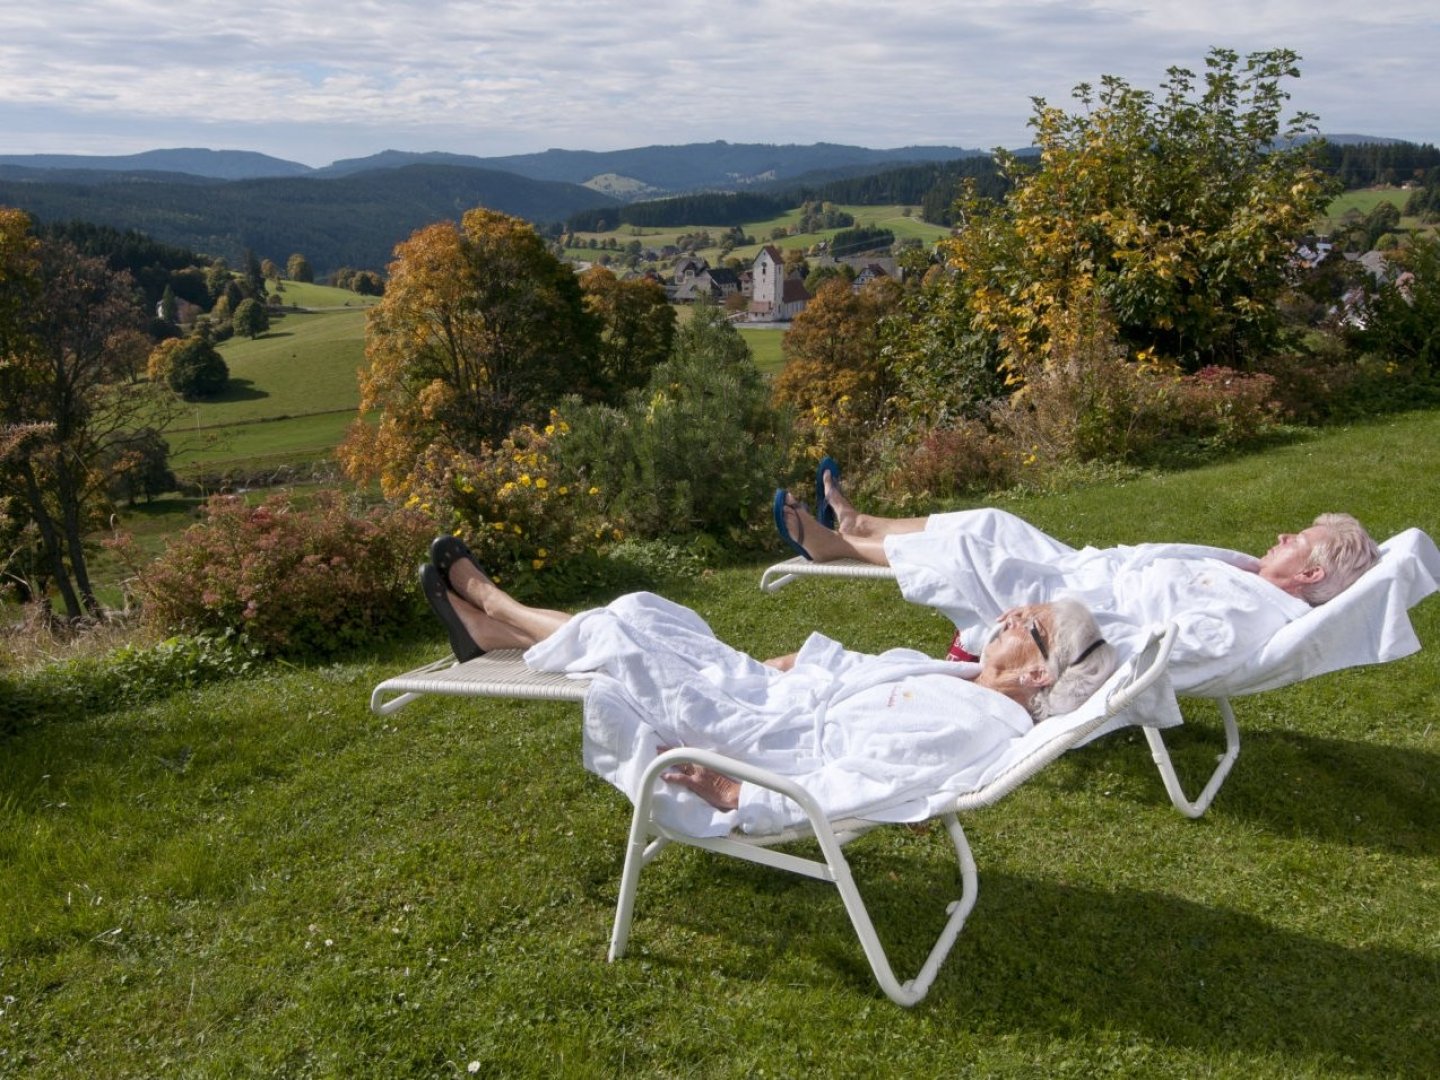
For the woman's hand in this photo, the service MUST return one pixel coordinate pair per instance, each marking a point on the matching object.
(782, 663)
(717, 789)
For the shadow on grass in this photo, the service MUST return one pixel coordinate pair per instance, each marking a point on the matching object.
(1042, 958)
(240, 390)
(1337, 791)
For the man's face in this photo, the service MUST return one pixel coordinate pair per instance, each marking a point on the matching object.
(1284, 564)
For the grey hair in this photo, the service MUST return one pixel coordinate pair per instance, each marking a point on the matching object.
(1073, 631)
(1345, 554)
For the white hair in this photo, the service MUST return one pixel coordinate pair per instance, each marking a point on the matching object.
(1080, 660)
(1345, 553)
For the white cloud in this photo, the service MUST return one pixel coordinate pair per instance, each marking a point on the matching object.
(316, 82)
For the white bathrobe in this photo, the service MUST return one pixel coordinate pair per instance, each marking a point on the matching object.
(883, 737)
(976, 564)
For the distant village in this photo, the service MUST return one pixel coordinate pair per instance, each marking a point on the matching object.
(766, 292)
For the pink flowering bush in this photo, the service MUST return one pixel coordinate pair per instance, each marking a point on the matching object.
(296, 581)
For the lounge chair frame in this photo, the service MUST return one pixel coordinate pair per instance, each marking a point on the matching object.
(503, 674)
(784, 573)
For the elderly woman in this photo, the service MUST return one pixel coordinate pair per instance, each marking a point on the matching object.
(872, 736)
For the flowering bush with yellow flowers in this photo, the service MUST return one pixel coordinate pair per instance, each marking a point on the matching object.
(513, 505)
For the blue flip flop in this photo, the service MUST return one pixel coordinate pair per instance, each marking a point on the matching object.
(824, 512)
(783, 529)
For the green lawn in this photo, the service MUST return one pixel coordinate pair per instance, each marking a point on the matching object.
(1364, 201)
(289, 440)
(765, 342)
(309, 295)
(306, 363)
(261, 878)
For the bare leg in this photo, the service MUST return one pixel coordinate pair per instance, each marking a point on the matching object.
(853, 524)
(825, 545)
(487, 632)
(535, 624)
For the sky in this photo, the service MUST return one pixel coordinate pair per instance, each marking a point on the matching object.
(318, 82)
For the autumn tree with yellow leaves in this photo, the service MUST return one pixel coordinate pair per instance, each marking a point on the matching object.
(1177, 213)
(481, 329)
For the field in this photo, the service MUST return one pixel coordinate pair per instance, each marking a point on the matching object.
(903, 225)
(292, 393)
(1364, 201)
(261, 878)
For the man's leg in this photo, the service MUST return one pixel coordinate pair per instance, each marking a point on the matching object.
(826, 545)
(851, 523)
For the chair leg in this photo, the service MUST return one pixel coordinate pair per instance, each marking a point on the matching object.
(1161, 757)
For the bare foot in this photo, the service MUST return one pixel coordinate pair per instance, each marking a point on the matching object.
(848, 522)
(820, 543)
(847, 518)
(717, 789)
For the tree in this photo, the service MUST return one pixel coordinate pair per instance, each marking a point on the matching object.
(480, 328)
(251, 318)
(218, 280)
(1402, 320)
(170, 307)
(1178, 213)
(67, 323)
(368, 283)
(253, 278)
(269, 270)
(637, 328)
(297, 268)
(192, 367)
(139, 464)
(832, 350)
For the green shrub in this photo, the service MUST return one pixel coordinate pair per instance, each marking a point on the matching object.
(300, 582)
(125, 677)
(1401, 321)
(698, 450)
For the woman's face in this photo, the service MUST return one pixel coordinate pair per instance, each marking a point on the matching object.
(1022, 641)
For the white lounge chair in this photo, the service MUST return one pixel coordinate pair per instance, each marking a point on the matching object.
(1138, 692)
(1366, 624)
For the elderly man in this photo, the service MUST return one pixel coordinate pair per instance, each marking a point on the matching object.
(975, 564)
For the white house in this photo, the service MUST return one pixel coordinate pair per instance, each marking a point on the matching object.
(774, 297)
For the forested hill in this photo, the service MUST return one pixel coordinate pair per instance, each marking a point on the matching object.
(933, 187)
(670, 169)
(351, 221)
(212, 164)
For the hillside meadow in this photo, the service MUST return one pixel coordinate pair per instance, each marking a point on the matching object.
(905, 225)
(262, 878)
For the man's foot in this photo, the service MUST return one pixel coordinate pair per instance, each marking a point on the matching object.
(826, 473)
(806, 536)
(788, 523)
(846, 517)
